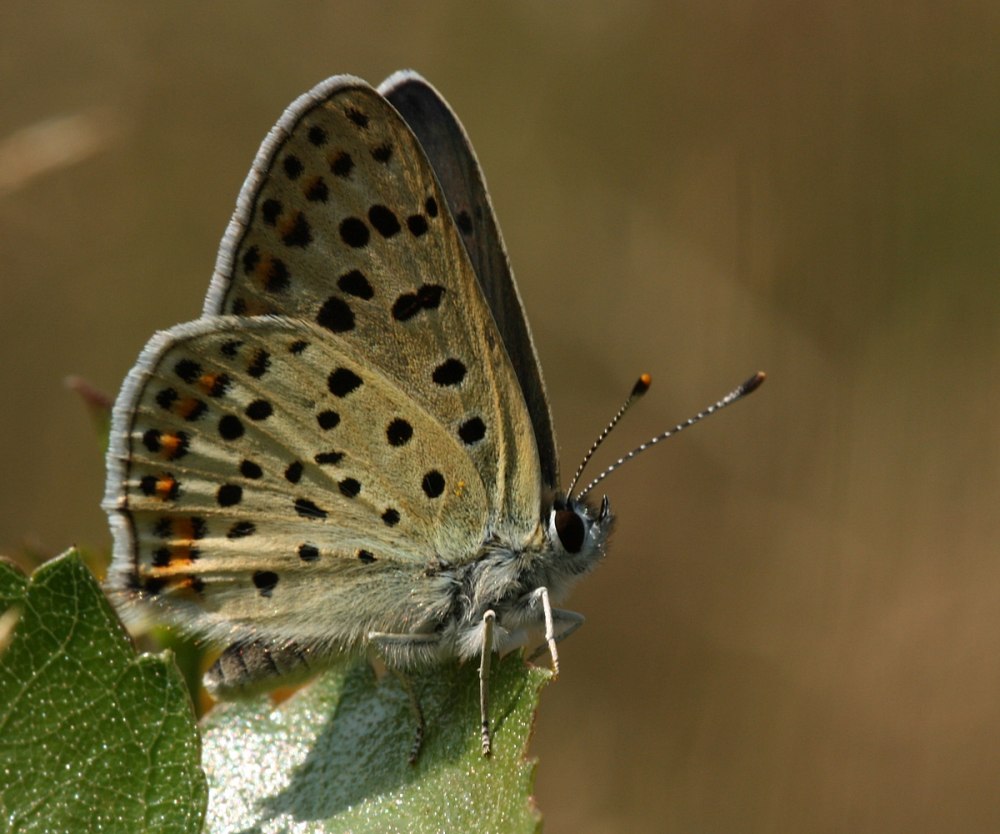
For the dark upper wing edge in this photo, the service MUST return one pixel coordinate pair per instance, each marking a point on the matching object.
(454, 162)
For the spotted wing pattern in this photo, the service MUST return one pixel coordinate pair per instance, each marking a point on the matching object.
(342, 222)
(454, 161)
(344, 422)
(262, 494)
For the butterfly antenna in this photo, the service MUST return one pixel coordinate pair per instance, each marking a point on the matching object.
(641, 387)
(735, 395)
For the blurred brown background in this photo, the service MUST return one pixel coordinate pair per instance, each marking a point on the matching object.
(798, 628)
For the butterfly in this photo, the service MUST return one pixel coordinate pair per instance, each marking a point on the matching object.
(352, 449)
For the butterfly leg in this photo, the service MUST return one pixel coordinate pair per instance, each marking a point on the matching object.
(570, 619)
(390, 646)
(252, 666)
(489, 618)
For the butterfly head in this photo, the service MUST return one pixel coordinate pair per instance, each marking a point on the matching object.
(577, 534)
(575, 526)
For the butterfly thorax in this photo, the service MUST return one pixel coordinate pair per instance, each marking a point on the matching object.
(506, 578)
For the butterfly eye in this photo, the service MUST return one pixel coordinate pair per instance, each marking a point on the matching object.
(570, 529)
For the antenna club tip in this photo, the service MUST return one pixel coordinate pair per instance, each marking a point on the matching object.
(642, 385)
(753, 383)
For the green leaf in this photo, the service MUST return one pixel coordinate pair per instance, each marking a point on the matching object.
(92, 737)
(334, 756)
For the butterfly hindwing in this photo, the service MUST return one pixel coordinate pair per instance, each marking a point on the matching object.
(342, 223)
(268, 477)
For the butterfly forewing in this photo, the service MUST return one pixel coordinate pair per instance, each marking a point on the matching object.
(454, 162)
(342, 223)
(269, 476)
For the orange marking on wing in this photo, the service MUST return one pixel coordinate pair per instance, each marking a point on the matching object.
(170, 445)
(165, 573)
(288, 224)
(176, 580)
(206, 383)
(188, 585)
(181, 553)
(166, 487)
(188, 406)
(183, 528)
(311, 183)
(262, 270)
